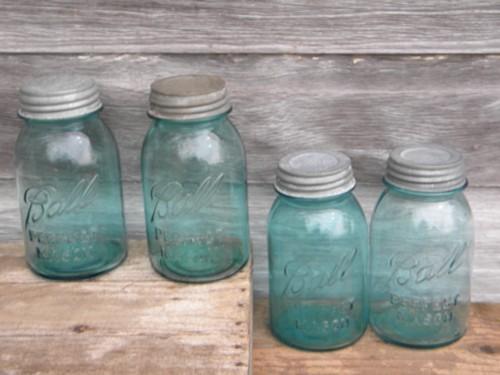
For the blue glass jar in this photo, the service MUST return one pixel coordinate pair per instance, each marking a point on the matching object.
(194, 181)
(68, 180)
(317, 245)
(421, 249)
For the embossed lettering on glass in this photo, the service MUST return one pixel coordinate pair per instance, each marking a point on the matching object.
(421, 248)
(317, 245)
(194, 181)
(68, 180)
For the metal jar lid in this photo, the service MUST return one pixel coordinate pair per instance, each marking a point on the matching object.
(188, 97)
(58, 96)
(426, 168)
(314, 174)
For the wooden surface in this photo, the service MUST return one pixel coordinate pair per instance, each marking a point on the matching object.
(484, 201)
(228, 26)
(361, 105)
(128, 321)
(478, 352)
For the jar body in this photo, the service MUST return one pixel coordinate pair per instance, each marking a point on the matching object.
(421, 253)
(317, 256)
(70, 196)
(195, 196)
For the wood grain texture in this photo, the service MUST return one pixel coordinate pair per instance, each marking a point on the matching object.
(228, 26)
(478, 352)
(363, 105)
(484, 202)
(128, 321)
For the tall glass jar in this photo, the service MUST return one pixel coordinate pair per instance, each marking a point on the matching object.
(318, 245)
(68, 180)
(194, 181)
(421, 249)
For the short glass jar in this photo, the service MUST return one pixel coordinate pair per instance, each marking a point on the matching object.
(421, 249)
(317, 245)
(68, 180)
(194, 181)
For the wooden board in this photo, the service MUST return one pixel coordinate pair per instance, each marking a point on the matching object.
(484, 202)
(228, 26)
(478, 352)
(128, 321)
(361, 105)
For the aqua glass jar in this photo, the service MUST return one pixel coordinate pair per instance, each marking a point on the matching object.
(421, 249)
(194, 181)
(318, 247)
(68, 180)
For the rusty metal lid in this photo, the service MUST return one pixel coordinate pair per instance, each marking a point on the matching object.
(314, 174)
(426, 168)
(188, 97)
(58, 97)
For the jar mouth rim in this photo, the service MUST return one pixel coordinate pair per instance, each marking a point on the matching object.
(192, 121)
(317, 199)
(56, 120)
(425, 192)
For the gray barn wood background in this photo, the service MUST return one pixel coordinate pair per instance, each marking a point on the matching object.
(358, 76)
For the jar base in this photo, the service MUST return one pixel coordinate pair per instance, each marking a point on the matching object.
(415, 345)
(86, 274)
(200, 263)
(316, 349)
(200, 279)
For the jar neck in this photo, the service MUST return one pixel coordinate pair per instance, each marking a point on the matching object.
(205, 123)
(421, 195)
(314, 202)
(74, 123)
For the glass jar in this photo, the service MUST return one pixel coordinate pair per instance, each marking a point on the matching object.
(68, 180)
(318, 245)
(194, 181)
(421, 249)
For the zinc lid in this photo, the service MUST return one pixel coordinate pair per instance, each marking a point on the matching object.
(58, 96)
(314, 174)
(426, 168)
(188, 97)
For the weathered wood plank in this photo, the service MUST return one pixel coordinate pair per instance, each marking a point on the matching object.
(83, 354)
(363, 105)
(228, 26)
(484, 202)
(121, 322)
(478, 352)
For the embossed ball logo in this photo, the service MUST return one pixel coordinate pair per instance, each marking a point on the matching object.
(171, 199)
(48, 202)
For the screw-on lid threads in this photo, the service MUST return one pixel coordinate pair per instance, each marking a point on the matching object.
(58, 96)
(426, 168)
(314, 174)
(189, 97)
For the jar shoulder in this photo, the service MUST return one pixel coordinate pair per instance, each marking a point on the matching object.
(446, 214)
(341, 218)
(182, 145)
(80, 143)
